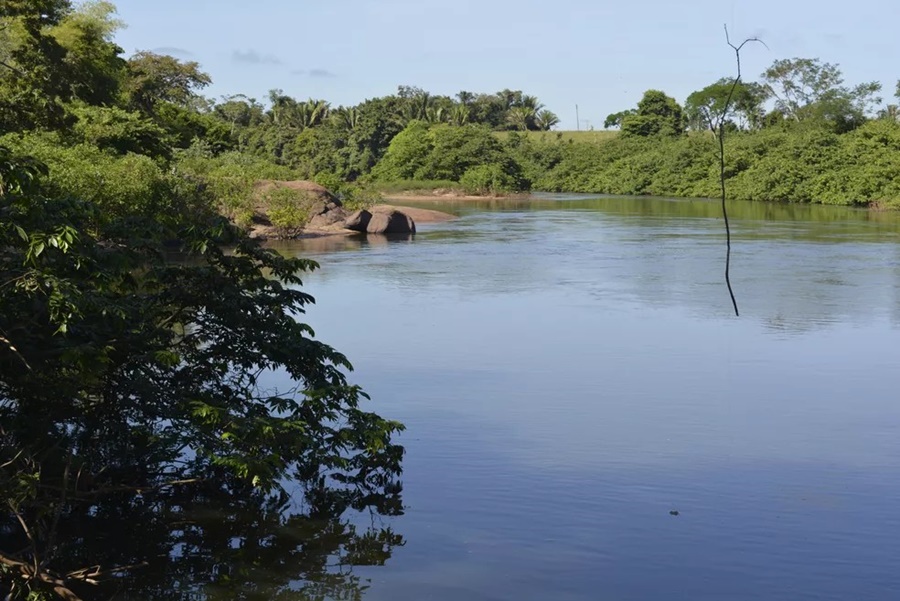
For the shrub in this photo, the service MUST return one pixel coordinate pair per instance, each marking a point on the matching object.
(488, 179)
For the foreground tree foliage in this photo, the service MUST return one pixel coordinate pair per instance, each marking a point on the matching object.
(125, 374)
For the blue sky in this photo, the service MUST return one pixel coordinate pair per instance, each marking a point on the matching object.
(597, 54)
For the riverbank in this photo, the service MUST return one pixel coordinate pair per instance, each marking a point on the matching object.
(443, 195)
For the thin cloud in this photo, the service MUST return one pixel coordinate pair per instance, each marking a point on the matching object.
(252, 57)
(313, 72)
(172, 51)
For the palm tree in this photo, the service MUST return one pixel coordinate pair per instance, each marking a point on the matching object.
(530, 102)
(312, 113)
(520, 117)
(346, 118)
(460, 115)
(465, 98)
(546, 120)
(278, 102)
(415, 108)
(510, 98)
(435, 114)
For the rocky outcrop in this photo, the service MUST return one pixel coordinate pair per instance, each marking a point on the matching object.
(418, 215)
(391, 222)
(322, 209)
(358, 221)
(381, 220)
(330, 215)
(311, 190)
(321, 213)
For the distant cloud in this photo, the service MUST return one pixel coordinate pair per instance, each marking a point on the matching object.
(313, 72)
(252, 57)
(172, 51)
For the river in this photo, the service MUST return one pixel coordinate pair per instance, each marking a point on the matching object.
(588, 420)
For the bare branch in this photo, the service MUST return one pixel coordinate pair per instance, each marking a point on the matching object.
(12, 68)
(15, 351)
(34, 550)
(719, 131)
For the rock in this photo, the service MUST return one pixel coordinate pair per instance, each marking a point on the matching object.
(311, 190)
(391, 222)
(418, 215)
(327, 218)
(322, 209)
(358, 221)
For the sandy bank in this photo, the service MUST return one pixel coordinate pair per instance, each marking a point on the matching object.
(447, 196)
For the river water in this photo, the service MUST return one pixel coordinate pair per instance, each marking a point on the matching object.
(588, 420)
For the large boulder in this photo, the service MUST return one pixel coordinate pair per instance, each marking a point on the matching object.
(331, 216)
(358, 221)
(310, 190)
(314, 199)
(391, 222)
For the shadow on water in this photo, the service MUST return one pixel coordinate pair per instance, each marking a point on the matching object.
(203, 542)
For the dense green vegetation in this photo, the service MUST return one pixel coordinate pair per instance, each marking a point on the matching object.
(139, 331)
(799, 134)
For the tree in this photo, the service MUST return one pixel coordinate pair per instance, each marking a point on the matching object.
(119, 130)
(530, 102)
(706, 107)
(465, 98)
(158, 78)
(123, 373)
(806, 88)
(521, 118)
(312, 113)
(615, 119)
(93, 63)
(798, 82)
(239, 111)
(460, 114)
(546, 120)
(33, 85)
(444, 152)
(657, 114)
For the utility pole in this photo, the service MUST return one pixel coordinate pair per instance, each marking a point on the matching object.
(577, 120)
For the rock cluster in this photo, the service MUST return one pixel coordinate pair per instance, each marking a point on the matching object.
(380, 221)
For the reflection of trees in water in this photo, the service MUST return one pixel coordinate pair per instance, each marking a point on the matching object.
(798, 268)
(201, 541)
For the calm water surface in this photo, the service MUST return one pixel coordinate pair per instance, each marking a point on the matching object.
(570, 372)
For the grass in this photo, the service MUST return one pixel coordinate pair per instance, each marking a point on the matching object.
(593, 137)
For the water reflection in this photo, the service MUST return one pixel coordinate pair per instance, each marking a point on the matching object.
(339, 242)
(795, 268)
(200, 542)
